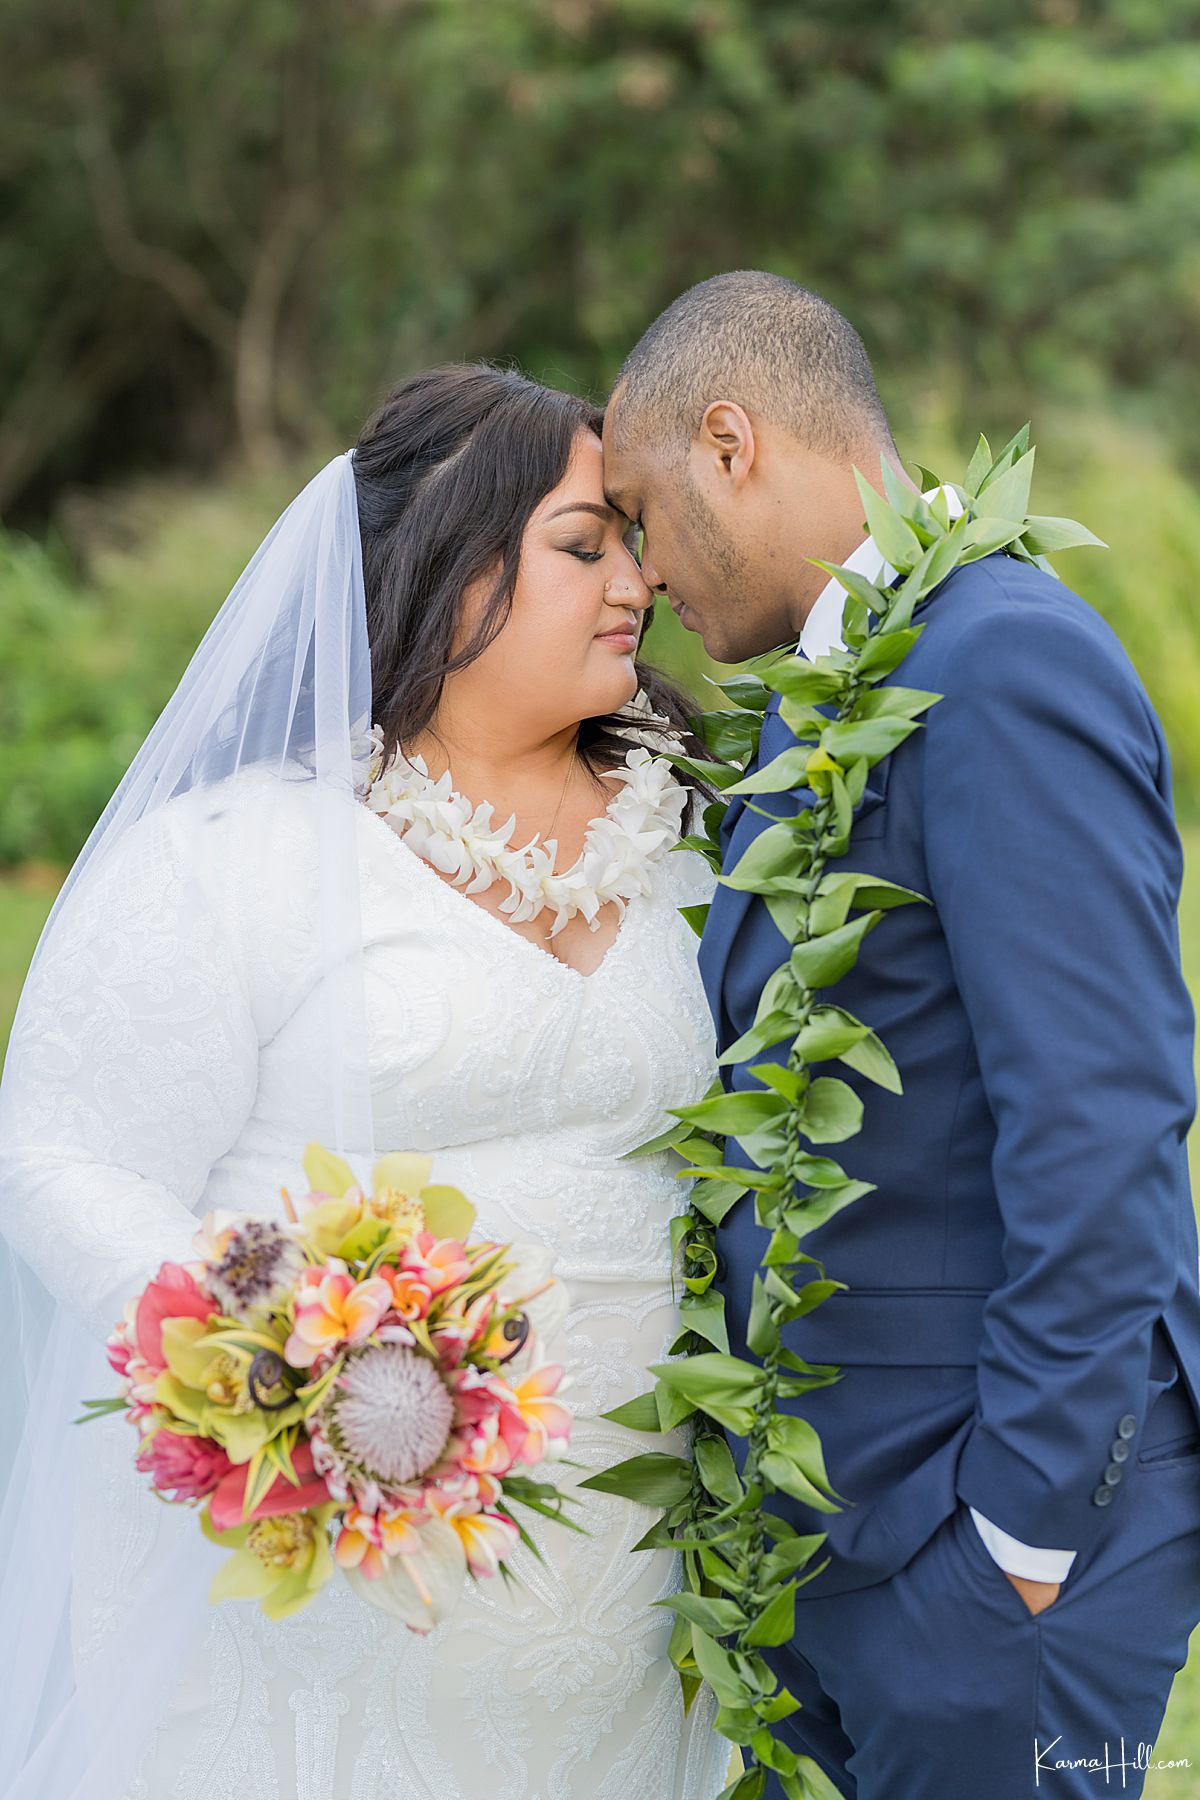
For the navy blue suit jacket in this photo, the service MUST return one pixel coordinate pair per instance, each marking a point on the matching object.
(1023, 1279)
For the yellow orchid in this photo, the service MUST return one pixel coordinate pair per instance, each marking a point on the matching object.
(205, 1384)
(281, 1561)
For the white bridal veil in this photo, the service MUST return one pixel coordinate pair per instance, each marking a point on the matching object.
(281, 681)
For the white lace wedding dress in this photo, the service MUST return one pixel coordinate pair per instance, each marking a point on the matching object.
(179, 1060)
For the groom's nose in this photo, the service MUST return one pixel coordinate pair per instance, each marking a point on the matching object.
(650, 574)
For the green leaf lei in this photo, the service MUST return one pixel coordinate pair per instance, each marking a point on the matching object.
(743, 1564)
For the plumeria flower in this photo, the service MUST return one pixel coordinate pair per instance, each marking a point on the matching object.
(487, 1451)
(216, 1233)
(486, 1537)
(420, 1588)
(529, 1419)
(367, 1540)
(332, 1309)
(441, 1263)
(412, 1295)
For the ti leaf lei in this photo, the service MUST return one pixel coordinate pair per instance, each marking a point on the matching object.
(742, 1563)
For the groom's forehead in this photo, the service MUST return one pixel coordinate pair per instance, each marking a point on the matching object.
(625, 477)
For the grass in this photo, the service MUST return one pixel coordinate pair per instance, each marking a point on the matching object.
(25, 901)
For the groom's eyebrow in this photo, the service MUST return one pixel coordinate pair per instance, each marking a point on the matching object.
(602, 512)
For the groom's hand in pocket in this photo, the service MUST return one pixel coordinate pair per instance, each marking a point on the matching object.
(1037, 1595)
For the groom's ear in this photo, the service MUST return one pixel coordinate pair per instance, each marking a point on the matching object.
(725, 442)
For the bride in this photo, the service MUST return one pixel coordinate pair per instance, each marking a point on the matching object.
(298, 920)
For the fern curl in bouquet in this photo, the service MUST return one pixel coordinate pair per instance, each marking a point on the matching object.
(357, 1387)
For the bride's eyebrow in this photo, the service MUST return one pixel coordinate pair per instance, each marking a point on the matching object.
(606, 513)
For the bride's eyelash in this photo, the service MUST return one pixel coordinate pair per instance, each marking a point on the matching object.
(592, 556)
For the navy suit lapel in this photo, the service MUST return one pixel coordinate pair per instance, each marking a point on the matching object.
(740, 826)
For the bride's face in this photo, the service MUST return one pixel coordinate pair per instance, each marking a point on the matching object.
(566, 651)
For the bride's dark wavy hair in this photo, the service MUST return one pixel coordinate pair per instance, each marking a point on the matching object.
(448, 471)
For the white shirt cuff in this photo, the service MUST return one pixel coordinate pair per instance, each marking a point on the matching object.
(1026, 1560)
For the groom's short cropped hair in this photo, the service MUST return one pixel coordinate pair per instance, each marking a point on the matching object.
(776, 348)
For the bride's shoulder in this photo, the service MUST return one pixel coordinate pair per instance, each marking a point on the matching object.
(246, 845)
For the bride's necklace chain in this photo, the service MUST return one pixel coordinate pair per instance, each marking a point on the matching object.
(642, 821)
(563, 795)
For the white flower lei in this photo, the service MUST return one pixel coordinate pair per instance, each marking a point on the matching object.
(643, 819)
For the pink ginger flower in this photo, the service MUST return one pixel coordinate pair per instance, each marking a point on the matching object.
(332, 1309)
(188, 1467)
(173, 1294)
(229, 1495)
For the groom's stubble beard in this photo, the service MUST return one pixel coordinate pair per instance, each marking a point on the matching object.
(732, 620)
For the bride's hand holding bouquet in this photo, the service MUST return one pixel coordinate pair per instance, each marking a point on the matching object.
(358, 1387)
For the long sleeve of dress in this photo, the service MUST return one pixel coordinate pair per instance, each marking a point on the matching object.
(132, 1066)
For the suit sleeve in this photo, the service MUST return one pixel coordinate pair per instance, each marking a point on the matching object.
(1055, 866)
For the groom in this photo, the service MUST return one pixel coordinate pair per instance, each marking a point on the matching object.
(1016, 1431)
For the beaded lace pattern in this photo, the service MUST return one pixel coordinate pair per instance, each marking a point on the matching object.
(175, 1048)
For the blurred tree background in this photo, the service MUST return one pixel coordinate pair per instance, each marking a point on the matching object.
(232, 229)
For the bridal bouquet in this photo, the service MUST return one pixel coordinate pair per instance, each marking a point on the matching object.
(359, 1386)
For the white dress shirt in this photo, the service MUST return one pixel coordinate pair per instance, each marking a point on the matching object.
(821, 633)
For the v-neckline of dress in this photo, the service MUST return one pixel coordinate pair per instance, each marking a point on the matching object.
(490, 919)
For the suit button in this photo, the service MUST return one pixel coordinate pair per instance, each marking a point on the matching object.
(1113, 1474)
(1126, 1426)
(1119, 1450)
(1102, 1496)
(722, 1271)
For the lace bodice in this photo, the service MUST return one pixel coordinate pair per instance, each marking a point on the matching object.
(170, 1053)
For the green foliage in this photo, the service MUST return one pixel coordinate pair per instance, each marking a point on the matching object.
(88, 660)
(289, 207)
(744, 1564)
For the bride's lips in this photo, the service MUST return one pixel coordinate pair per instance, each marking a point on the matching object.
(623, 637)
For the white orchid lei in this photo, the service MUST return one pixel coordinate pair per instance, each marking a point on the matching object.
(643, 819)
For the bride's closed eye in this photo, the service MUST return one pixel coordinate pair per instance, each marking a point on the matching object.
(630, 539)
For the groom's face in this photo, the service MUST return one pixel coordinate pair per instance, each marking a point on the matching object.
(699, 549)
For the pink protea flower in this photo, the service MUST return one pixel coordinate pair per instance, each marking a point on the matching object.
(529, 1419)
(173, 1294)
(333, 1309)
(386, 1420)
(229, 1495)
(188, 1467)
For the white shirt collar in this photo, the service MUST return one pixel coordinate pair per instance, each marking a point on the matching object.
(822, 629)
